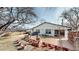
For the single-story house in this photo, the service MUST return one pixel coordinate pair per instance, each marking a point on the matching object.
(51, 29)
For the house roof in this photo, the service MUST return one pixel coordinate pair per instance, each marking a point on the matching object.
(49, 23)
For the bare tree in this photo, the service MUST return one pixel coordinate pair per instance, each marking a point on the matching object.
(72, 17)
(16, 15)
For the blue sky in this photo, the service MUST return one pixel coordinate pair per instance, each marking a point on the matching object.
(48, 14)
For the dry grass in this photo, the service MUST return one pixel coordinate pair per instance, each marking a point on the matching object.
(6, 42)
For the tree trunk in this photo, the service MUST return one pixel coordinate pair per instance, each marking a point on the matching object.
(5, 26)
(75, 39)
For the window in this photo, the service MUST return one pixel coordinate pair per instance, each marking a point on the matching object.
(48, 31)
(59, 32)
(38, 30)
(56, 32)
(62, 32)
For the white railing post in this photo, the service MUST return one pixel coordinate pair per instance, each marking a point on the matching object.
(66, 34)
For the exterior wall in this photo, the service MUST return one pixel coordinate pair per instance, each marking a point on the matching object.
(45, 26)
